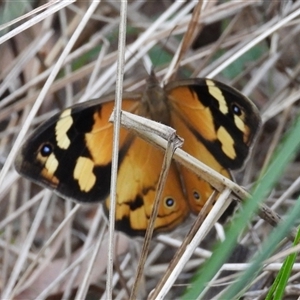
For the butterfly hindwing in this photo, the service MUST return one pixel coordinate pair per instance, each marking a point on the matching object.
(138, 177)
(197, 189)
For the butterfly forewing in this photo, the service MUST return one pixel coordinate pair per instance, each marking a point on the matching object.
(220, 118)
(71, 152)
(214, 121)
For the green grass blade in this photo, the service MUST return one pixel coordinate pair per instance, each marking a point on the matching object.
(268, 248)
(278, 287)
(283, 155)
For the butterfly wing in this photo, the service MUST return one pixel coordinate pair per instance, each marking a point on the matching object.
(197, 189)
(71, 154)
(218, 124)
(138, 177)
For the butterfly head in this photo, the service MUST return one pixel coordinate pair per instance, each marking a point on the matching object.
(154, 102)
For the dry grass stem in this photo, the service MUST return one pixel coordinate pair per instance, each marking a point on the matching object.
(59, 53)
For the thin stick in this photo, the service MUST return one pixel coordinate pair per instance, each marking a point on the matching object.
(254, 42)
(218, 181)
(173, 143)
(44, 91)
(35, 20)
(184, 245)
(189, 249)
(189, 37)
(7, 293)
(115, 153)
(30, 268)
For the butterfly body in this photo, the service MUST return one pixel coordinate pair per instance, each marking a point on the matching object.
(71, 152)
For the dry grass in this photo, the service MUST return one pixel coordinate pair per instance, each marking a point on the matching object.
(57, 54)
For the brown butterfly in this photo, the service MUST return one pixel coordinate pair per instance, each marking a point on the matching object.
(71, 152)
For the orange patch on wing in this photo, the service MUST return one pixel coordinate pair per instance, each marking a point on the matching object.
(99, 140)
(192, 182)
(51, 179)
(186, 103)
(137, 181)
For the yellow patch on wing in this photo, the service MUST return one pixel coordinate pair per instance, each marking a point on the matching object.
(51, 163)
(192, 182)
(239, 123)
(50, 166)
(227, 142)
(83, 172)
(62, 126)
(218, 95)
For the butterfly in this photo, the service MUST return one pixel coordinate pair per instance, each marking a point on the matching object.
(71, 152)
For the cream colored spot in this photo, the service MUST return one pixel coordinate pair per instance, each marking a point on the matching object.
(62, 126)
(217, 93)
(227, 142)
(51, 164)
(83, 172)
(239, 123)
